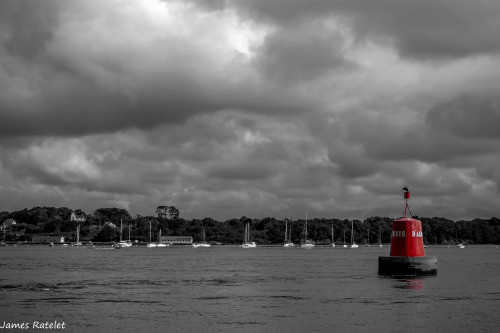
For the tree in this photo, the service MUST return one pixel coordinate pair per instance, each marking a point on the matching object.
(113, 215)
(167, 212)
(107, 234)
(173, 212)
(162, 211)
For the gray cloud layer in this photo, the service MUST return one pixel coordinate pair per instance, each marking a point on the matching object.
(231, 108)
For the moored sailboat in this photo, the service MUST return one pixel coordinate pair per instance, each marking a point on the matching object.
(150, 244)
(159, 242)
(121, 244)
(77, 243)
(333, 241)
(288, 235)
(353, 245)
(306, 243)
(204, 243)
(247, 244)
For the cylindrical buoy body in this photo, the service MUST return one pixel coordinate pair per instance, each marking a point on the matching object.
(407, 195)
(407, 238)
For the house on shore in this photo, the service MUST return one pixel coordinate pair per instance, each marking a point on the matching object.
(47, 239)
(8, 223)
(178, 240)
(78, 216)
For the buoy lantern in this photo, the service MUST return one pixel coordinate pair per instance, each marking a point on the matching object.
(407, 255)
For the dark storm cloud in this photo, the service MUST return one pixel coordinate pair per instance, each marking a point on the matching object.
(418, 29)
(378, 139)
(82, 108)
(60, 86)
(469, 115)
(27, 26)
(293, 55)
(257, 108)
(242, 171)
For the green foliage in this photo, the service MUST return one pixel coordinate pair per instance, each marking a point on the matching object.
(40, 215)
(167, 212)
(268, 230)
(113, 215)
(107, 234)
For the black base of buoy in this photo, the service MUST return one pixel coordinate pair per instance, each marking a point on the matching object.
(415, 266)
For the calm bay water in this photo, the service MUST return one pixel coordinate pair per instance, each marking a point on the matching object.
(228, 289)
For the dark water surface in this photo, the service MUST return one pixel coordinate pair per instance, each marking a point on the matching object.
(230, 289)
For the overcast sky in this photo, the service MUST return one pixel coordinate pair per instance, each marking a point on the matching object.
(257, 108)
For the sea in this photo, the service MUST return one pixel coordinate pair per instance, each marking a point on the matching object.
(230, 289)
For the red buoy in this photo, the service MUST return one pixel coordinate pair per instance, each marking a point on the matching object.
(407, 255)
(407, 238)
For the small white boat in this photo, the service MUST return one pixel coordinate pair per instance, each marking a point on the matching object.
(306, 243)
(461, 246)
(195, 245)
(353, 245)
(288, 236)
(204, 243)
(159, 243)
(247, 244)
(121, 244)
(77, 243)
(150, 244)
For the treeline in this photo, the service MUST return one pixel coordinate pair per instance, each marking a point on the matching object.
(104, 225)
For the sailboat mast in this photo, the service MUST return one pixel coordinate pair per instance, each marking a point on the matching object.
(248, 232)
(245, 236)
(305, 233)
(286, 230)
(352, 232)
(121, 229)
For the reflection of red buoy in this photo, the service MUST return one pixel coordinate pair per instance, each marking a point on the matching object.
(407, 255)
